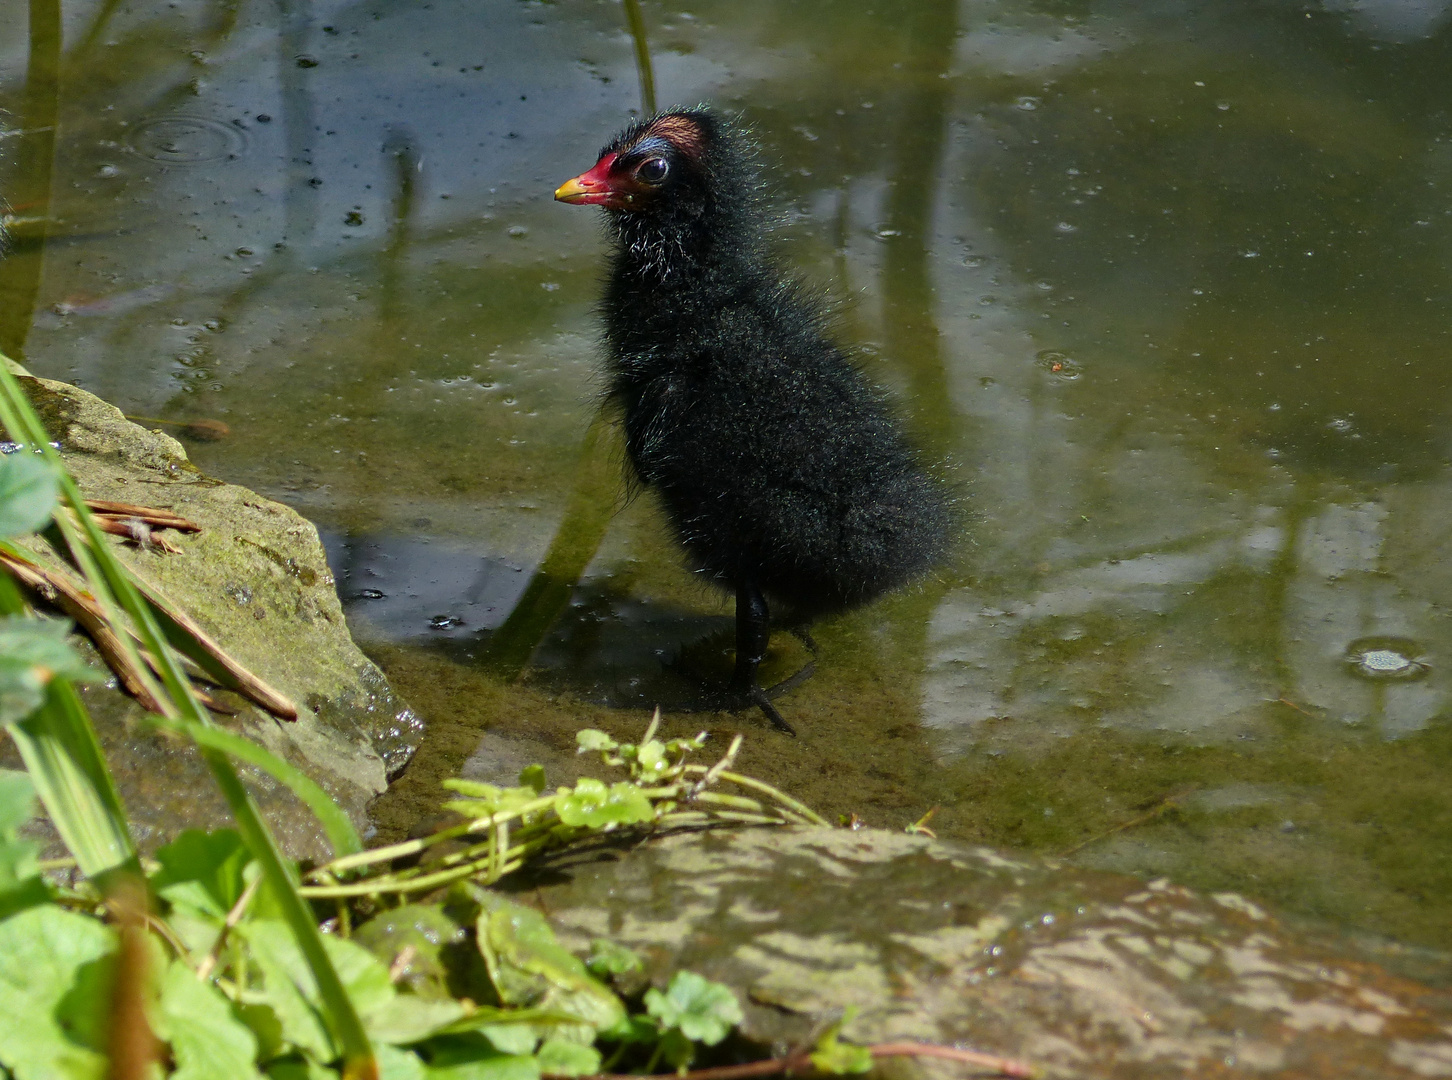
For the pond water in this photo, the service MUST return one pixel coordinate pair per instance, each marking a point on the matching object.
(1163, 287)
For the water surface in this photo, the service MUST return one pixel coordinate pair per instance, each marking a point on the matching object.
(1162, 288)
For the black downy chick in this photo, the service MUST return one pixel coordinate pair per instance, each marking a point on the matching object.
(781, 467)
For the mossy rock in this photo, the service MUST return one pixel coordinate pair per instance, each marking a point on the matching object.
(257, 580)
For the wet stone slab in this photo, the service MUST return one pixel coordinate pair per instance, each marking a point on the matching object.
(256, 578)
(1085, 974)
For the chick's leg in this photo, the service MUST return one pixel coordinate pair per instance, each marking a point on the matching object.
(753, 631)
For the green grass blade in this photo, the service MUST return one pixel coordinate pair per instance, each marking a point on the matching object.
(64, 759)
(359, 1062)
(60, 751)
(341, 834)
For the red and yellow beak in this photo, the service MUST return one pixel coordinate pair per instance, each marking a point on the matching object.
(592, 188)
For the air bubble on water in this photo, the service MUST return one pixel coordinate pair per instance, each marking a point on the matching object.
(1386, 658)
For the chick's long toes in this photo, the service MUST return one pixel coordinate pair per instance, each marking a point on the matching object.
(760, 699)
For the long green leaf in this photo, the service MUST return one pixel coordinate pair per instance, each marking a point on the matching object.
(64, 759)
(59, 748)
(341, 834)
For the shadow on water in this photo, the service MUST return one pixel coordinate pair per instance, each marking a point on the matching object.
(1164, 289)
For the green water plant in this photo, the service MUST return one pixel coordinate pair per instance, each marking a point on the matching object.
(500, 828)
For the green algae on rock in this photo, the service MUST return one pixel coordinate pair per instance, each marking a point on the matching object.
(256, 579)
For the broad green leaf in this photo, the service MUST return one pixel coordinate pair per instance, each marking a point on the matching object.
(21, 885)
(486, 1067)
(262, 1021)
(511, 1038)
(202, 876)
(396, 1064)
(426, 931)
(677, 1050)
(42, 953)
(590, 739)
(593, 805)
(289, 988)
(82, 1012)
(533, 777)
(214, 860)
(529, 967)
(32, 652)
(486, 799)
(405, 1019)
(299, 1019)
(208, 1042)
(28, 488)
(700, 1009)
(633, 1029)
(650, 759)
(17, 801)
(295, 1067)
(832, 1056)
(568, 1058)
(608, 958)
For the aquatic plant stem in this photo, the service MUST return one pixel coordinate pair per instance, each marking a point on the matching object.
(496, 856)
(644, 69)
(766, 789)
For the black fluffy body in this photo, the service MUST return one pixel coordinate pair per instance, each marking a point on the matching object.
(780, 465)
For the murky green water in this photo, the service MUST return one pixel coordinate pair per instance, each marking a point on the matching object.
(1165, 285)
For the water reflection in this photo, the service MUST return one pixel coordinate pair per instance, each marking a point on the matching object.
(1165, 292)
(30, 147)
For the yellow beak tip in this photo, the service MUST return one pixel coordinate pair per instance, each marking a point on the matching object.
(570, 191)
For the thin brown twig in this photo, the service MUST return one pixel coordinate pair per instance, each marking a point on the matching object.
(1292, 705)
(801, 1062)
(1169, 802)
(63, 591)
(228, 671)
(137, 530)
(209, 962)
(68, 594)
(132, 1048)
(154, 516)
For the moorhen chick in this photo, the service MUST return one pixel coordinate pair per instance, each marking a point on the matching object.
(783, 470)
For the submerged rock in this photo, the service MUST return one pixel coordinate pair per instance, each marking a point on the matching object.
(1085, 974)
(257, 580)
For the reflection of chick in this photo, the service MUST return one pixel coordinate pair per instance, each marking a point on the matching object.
(782, 469)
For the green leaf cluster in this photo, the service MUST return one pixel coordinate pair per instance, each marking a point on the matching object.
(471, 987)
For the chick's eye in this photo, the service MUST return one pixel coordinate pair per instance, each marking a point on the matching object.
(652, 170)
